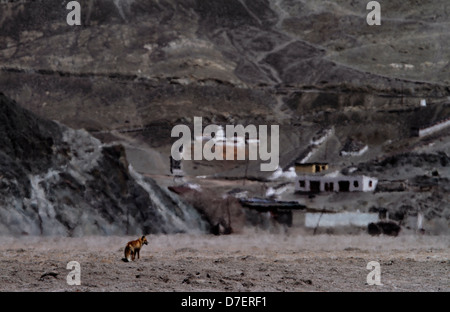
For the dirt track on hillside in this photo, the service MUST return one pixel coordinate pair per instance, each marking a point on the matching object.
(245, 262)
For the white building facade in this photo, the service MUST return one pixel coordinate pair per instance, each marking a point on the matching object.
(340, 183)
(434, 128)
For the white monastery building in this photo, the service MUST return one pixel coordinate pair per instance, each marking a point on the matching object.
(335, 183)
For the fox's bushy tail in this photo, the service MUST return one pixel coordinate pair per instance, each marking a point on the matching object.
(127, 257)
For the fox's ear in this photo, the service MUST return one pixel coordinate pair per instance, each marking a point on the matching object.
(143, 236)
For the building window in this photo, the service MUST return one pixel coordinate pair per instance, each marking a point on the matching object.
(355, 184)
(344, 186)
(314, 186)
(302, 183)
(327, 187)
(370, 183)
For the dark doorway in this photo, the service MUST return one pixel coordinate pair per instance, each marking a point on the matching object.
(314, 186)
(344, 186)
(282, 216)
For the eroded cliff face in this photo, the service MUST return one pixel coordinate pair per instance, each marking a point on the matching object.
(60, 181)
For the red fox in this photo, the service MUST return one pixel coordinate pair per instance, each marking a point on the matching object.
(133, 248)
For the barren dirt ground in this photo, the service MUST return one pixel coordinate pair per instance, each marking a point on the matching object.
(255, 261)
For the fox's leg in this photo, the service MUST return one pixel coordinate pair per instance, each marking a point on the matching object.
(139, 254)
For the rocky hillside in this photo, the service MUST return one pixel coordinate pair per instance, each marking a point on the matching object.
(149, 65)
(58, 181)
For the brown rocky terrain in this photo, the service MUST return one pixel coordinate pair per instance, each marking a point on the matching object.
(147, 66)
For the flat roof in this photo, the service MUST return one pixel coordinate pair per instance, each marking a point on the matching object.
(310, 164)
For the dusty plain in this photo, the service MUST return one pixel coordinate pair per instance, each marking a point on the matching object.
(254, 261)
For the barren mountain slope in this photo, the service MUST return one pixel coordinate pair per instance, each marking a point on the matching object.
(141, 67)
